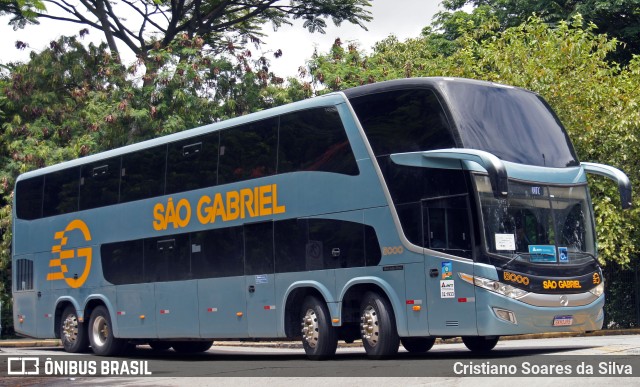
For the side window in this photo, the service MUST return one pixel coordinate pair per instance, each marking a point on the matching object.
(373, 254)
(61, 192)
(142, 174)
(334, 244)
(291, 238)
(447, 225)
(123, 262)
(167, 258)
(29, 198)
(258, 247)
(403, 121)
(100, 184)
(192, 163)
(248, 151)
(315, 140)
(217, 253)
(24, 274)
(410, 216)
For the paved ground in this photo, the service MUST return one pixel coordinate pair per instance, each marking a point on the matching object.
(26, 342)
(448, 364)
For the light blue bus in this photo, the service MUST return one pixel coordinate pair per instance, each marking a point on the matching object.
(395, 212)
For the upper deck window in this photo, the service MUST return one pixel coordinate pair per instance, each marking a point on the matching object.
(307, 140)
(513, 124)
(315, 140)
(399, 121)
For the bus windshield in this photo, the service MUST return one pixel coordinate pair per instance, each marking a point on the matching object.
(537, 225)
(511, 123)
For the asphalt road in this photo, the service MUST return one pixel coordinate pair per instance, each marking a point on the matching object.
(540, 362)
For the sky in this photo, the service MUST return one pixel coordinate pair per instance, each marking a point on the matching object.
(402, 18)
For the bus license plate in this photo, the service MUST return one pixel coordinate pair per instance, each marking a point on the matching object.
(562, 321)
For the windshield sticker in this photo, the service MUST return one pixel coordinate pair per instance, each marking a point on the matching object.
(563, 254)
(505, 242)
(447, 289)
(447, 271)
(542, 253)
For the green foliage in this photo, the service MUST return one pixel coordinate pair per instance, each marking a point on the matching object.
(597, 101)
(618, 19)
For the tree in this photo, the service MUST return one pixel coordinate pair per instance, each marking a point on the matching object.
(618, 19)
(221, 24)
(596, 100)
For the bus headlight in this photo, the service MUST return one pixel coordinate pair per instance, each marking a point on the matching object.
(494, 286)
(598, 290)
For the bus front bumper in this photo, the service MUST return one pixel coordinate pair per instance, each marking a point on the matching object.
(499, 316)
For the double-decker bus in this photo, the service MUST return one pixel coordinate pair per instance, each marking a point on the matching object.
(395, 212)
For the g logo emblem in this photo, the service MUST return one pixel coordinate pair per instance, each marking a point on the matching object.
(84, 252)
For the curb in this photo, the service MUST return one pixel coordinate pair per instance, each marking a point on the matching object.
(22, 343)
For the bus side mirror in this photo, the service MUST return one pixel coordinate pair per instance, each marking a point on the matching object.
(461, 158)
(624, 185)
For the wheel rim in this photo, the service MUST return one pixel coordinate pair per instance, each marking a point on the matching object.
(369, 326)
(100, 331)
(310, 331)
(70, 328)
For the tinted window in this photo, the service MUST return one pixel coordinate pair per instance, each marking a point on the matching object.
(403, 121)
(446, 225)
(192, 163)
(373, 254)
(513, 124)
(258, 246)
(290, 245)
(29, 198)
(143, 174)
(411, 184)
(217, 253)
(123, 262)
(315, 140)
(100, 184)
(410, 216)
(335, 244)
(61, 192)
(248, 151)
(167, 258)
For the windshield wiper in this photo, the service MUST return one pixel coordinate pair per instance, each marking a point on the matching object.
(515, 256)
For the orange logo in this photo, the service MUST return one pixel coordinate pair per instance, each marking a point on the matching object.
(596, 279)
(83, 252)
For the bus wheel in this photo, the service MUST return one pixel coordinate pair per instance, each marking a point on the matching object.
(191, 346)
(72, 333)
(103, 343)
(319, 337)
(417, 344)
(480, 343)
(159, 345)
(378, 327)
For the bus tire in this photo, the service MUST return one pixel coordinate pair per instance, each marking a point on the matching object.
(103, 343)
(480, 343)
(378, 327)
(319, 337)
(191, 346)
(73, 333)
(417, 344)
